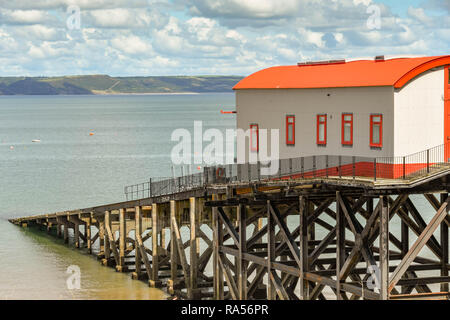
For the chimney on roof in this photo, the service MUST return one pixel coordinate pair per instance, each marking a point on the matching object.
(320, 63)
(379, 59)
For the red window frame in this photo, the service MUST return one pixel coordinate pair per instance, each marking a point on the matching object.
(288, 124)
(254, 127)
(372, 122)
(344, 122)
(322, 120)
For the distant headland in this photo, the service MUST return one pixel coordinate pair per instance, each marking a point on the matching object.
(104, 84)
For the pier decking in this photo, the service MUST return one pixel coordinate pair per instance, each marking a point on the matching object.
(304, 234)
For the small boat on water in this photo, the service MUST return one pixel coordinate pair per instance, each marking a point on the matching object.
(36, 140)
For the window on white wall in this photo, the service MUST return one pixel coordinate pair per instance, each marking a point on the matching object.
(376, 130)
(290, 130)
(347, 129)
(254, 137)
(322, 129)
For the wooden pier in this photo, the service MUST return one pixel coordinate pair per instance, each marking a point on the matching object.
(300, 238)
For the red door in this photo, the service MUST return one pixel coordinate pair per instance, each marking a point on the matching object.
(447, 114)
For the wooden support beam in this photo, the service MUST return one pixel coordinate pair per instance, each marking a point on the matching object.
(76, 234)
(229, 278)
(279, 288)
(217, 244)
(66, 231)
(193, 248)
(89, 235)
(384, 248)
(444, 246)
(181, 253)
(122, 243)
(59, 227)
(340, 246)
(154, 281)
(137, 254)
(173, 282)
(439, 217)
(304, 265)
(271, 255)
(112, 242)
(241, 262)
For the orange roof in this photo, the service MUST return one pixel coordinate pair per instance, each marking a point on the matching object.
(362, 73)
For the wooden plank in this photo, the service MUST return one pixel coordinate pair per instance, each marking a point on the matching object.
(137, 235)
(229, 278)
(228, 225)
(173, 250)
(122, 236)
(279, 288)
(304, 265)
(154, 280)
(445, 247)
(241, 262)
(193, 246)
(340, 246)
(271, 255)
(418, 245)
(111, 240)
(285, 234)
(181, 253)
(101, 235)
(384, 248)
(322, 246)
(217, 277)
(89, 235)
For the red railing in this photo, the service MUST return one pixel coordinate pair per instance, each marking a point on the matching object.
(324, 166)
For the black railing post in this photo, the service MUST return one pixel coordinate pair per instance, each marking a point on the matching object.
(290, 168)
(126, 192)
(314, 167)
(375, 169)
(303, 167)
(354, 167)
(279, 168)
(428, 161)
(326, 164)
(150, 188)
(340, 167)
(259, 170)
(404, 168)
(249, 171)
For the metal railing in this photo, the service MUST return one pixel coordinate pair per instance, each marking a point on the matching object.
(323, 166)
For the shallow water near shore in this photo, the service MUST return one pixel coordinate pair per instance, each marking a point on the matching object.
(72, 169)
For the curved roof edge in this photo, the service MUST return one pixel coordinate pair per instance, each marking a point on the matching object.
(410, 75)
(361, 73)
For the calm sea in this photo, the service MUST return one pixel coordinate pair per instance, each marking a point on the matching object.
(72, 169)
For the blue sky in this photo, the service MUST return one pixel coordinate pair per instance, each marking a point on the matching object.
(199, 37)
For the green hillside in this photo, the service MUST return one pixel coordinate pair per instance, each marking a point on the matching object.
(104, 84)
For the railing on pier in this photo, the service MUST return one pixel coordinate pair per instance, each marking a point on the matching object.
(323, 166)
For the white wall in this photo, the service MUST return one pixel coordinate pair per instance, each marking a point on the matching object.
(268, 108)
(419, 114)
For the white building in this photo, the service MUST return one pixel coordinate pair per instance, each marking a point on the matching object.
(370, 108)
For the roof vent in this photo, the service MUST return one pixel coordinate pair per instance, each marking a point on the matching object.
(320, 63)
(379, 59)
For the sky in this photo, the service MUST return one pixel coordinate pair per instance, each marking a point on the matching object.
(207, 37)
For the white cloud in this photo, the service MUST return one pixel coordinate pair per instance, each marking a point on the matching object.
(163, 37)
(131, 45)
